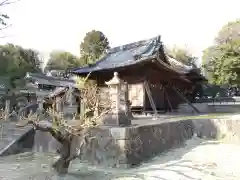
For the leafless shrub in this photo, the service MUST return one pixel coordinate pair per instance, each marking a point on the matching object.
(94, 110)
(81, 127)
(4, 18)
(2, 114)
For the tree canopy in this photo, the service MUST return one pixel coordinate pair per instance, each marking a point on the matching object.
(182, 55)
(229, 32)
(221, 61)
(16, 60)
(62, 60)
(94, 45)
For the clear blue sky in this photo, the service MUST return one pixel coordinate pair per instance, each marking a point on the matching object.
(62, 24)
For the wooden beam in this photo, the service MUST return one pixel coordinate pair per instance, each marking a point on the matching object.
(185, 99)
(168, 99)
(148, 91)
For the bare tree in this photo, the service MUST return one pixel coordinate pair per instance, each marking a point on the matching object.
(80, 130)
(3, 15)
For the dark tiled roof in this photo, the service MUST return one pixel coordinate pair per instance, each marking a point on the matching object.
(125, 55)
(50, 79)
(178, 66)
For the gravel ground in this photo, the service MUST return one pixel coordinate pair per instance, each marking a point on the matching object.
(207, 160)
(198, 160)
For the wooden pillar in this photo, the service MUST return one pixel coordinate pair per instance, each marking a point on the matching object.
(149, 94)
(128, 103)
(185, 99)
(118, 114)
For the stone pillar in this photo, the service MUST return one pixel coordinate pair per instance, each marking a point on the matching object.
(96, 111)
(7, 109)
(40, 103)
(118, 114)
(59, 104)
(80, 104)
(82, 108)
(70, 100)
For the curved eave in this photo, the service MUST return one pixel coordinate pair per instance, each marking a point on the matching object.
(118, 67)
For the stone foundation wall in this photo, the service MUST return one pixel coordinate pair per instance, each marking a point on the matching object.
(126, 147)
(149, 140)
(216, 129)
(129, 146)
(20, 145)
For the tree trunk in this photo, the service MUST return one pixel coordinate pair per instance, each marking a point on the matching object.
(62, 163)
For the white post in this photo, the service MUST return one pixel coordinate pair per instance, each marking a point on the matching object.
(7, 109)
(40, 103)
(70, 95)
(59, 104)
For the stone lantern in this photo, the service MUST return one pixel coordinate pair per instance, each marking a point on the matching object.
(118, 116)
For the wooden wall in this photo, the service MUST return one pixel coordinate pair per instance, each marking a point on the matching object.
(137, 95)
(140, 100)
(158, 99)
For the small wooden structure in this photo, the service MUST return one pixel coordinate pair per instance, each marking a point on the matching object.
(156, 81)
(49, 80)
(50, 89)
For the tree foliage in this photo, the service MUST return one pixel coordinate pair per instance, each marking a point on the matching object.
(16, 60)
(182, 55)
(94, 45)
(62, 60)
(221, 61)
(229, 32)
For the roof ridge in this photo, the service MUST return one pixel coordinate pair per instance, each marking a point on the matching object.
(133, 45)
